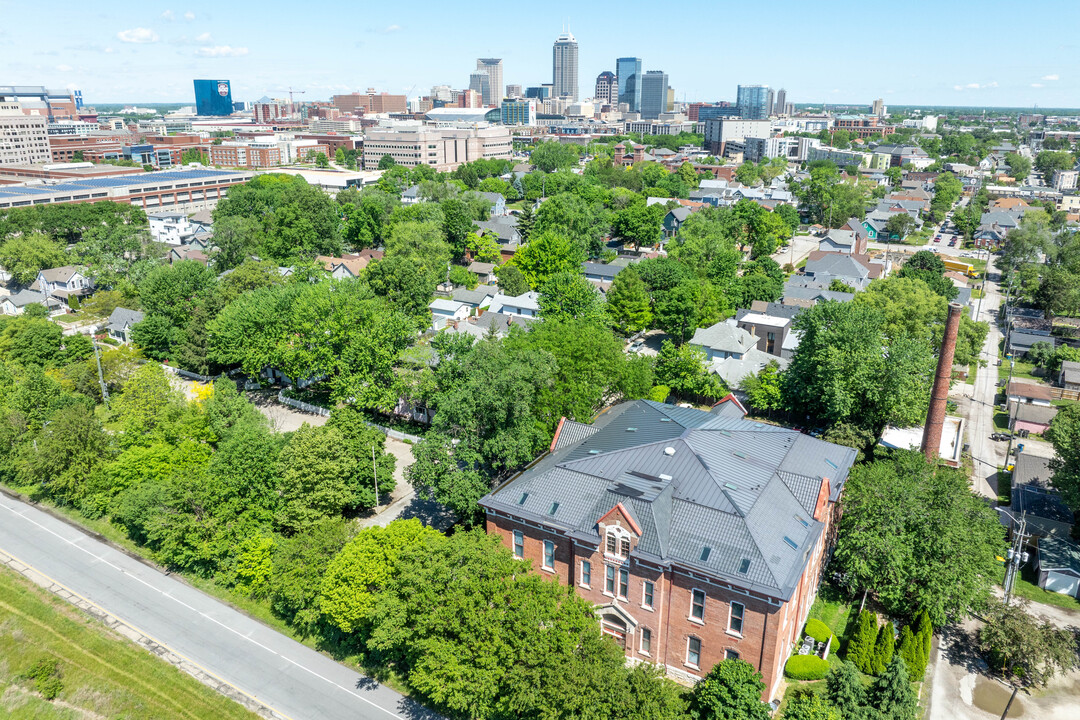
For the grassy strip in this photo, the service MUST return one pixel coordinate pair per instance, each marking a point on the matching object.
(1026, 586)
(973, 371)
(103, 674)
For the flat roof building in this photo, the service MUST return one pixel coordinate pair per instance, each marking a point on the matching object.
(24, 139)
(443, 148)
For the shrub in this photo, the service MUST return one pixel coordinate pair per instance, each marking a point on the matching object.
(819, 631)
(46, 676)
(659, 393)
(884, 648)
(861, 647)
(806, 667)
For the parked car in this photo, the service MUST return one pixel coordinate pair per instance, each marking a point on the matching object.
(1000, 436)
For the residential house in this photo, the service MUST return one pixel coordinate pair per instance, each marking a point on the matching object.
(484, 272)
(444, 311)
(773, 332)
(601, 274)
(479, 298)
(1031, 417)
(498, 202)
(62, 283)
(852, 269)
(16, 303)
(489, 323)
(674, 220)
(1020, 342)
(1046, 513)
(732, 352)
(807, 292)
(1029, 393)
(503, 229)
(120, 322)
(410, 195)
(1069, 377)
(1058, 565)
(526, 305)
(698, 535)
(178, 254)
(346, 266)
(176, 228)
(843, 241)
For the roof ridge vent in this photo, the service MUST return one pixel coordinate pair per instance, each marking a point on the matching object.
(666, 478)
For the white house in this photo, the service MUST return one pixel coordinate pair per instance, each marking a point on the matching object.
(526, 305)
(445, 311)
(120, 322)
(175, 228)
(59, 284)
(16, 303)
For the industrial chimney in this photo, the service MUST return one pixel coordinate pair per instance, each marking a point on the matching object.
(939, 397)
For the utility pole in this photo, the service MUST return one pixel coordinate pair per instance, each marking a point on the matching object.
(375, 474)
(1017, 557)
(101, 376)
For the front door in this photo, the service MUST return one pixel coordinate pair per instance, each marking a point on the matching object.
(613, 626)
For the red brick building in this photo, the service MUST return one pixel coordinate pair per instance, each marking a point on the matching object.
(698, 535)
(861, 127)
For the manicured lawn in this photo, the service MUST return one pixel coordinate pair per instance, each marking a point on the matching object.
(1004, 484)
(103, 675)
(1001, 421)
(973, 371)
(833, 608)
(1021, 371)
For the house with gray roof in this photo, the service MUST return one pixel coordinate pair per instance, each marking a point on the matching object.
(698, 535)
(1069, 378)
(527, 304)
(120, 322)
(723, 340)
(498, 202)
(600, 272)
(1058, 565)
(16, 303)
(734, 353)
(60, 284)
(838, 266)
(503, 229)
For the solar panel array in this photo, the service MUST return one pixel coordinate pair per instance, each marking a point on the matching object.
(89, 184)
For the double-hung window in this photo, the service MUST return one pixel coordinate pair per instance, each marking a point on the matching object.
(735, 620)
(647, 594)
(646, 641)
(609, 580)
(697, 605)
(549, 555)
(586, 573)
(624, 583)
(693, 652)
(519, 544)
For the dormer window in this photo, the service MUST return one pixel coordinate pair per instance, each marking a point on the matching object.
(617, 542)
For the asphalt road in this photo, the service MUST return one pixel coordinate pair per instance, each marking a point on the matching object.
(280, 673)
(987, 454)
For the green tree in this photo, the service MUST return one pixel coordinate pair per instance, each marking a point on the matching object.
(915, 535)
(172, 291)
(763, 389)
(552, 155)
(457, 224)
(731, 691)
(31, 340)
(676, 312)
(1048, 161)
(1024, 649)
(317, 478)
(155, 336)
(299, 563)
(628, 302)
(892, 694)
(65, 454)
(569, 296)
(1064, 434)
(356, 575)
(861, 647)
(638, 225)
(912, 652)
(899, 225)
(386, 162)
(511, 280)
(884, 647)
(236, 238)
(928, 267)
(24, 255)
(686, 371)
(844, 690)
(1019, 166)
(547, 254)
(807, 705)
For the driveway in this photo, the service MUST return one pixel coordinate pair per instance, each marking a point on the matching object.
(797, 250)
(987, 455)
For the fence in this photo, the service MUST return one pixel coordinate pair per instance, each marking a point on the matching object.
(189, 375)
(316, 410)
(1057, 393)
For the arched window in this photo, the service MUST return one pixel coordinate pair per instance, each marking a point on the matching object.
(617, 542)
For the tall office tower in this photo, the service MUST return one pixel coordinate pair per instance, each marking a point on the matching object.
(514, 91)
(628, 72)
(494, 69)
(878, 108)
(607, 89)
(24, 139)
(753, 101)
(480, 82)
(653, 94)
(769, 109)
(564, 67)
(780, 106)
(443, 93)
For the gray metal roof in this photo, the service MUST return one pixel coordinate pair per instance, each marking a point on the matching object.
(122, 318)
(691, 479)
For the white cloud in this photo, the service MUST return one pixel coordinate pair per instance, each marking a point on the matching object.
(108, 50)
(957, 87)
(137, 35)
(392, 28)
(976, 86)
(189, 16)
(221, 51)
(1036, 85)
(1050, 77)
(168, 16)
(204, 38)
(63, 68)
(972, 86)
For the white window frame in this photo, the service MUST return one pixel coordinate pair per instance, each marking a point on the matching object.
(585, 578)
(689, 640)
(704, 597)
(549, 552)
(609, 580)
(741, 618)
(645, 600)
(519, 545)
(619, 534)
(623, 584)
(645, 632)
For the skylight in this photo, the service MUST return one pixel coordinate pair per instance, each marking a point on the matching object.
(794, 545)
(802, 520)
(524, 497)
(744, 566)
(738, 454)
(554, 507)
(630, 429)
(705, 554)
(832, 464)
(731, 486)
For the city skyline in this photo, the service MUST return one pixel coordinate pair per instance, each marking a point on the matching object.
(151, 54)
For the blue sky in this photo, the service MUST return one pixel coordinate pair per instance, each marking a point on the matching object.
(947, 52)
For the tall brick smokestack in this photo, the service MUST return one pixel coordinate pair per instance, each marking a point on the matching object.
(939, 397)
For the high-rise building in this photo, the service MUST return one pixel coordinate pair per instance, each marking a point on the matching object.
(494, 69)
(443, 93)
(24, 139)
(780, 106)
(370, 102)
(564, 66)
(213, 97)
(753, 102)
(628, 72)
(518, 111)
(878, 108)
(607, 89)
(480, 83)
(514, 91)
(769, 104)
(653, 94)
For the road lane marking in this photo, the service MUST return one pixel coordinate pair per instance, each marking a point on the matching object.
(123, 571)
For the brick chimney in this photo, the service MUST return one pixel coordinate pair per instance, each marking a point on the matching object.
(939, 397)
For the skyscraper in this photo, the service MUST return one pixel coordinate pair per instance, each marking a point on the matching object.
(213, 97)
(494, 69)
(653, 94)
(878, 108)
(628, 72)
(753, 101)
(481, 83)
(769, 112)
(780, 106)
(564, 66)
(607, 89)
